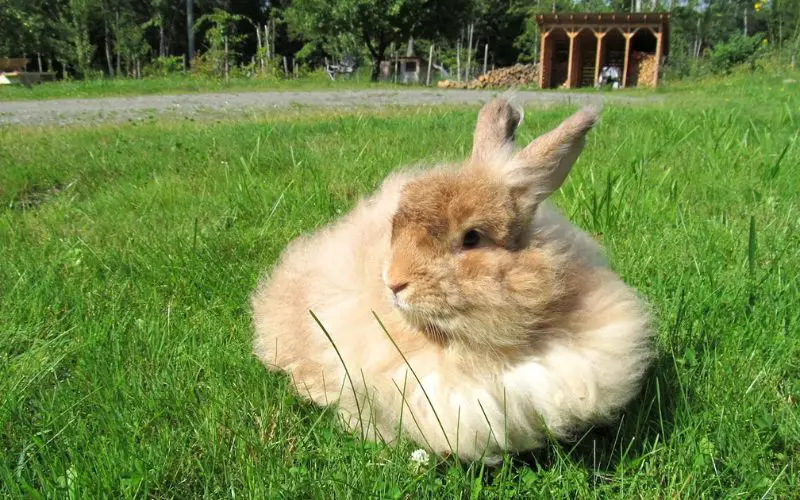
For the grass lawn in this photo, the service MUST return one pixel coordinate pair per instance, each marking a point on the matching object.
(178, 85)
(128, 252)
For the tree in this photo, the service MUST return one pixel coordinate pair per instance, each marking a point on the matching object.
(221, 37)
(73, 45)
(377, 23)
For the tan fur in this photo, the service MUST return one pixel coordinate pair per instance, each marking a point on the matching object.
(527, 332)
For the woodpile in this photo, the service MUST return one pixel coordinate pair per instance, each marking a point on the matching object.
(512, 76)
(451, 84)
(646, 71)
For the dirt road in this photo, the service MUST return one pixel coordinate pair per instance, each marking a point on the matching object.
(199, 106)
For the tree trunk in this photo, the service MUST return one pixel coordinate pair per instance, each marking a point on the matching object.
(430, 62)
(469, 54)
(116, 33)
(744, 15)
(458, 60)
(274, 47)
(698, 41)
(161, 47)
(109, 58)
(377, 54)
(377, 57)
(260, 48)
(190, 30)
(376, 70)
(226, 58)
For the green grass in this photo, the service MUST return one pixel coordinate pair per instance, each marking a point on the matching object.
(177, 85)
(127, 254)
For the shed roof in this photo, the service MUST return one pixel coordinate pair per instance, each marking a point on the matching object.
(622, 20)
(638, 18)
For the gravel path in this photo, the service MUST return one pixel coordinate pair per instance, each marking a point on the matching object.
(67, 111)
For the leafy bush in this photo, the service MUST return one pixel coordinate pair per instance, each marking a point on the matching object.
(736, 51)
(165, 66)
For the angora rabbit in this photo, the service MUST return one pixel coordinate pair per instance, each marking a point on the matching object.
(505, 322)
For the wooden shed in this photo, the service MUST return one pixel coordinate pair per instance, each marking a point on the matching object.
(405, 69)
(576, 46)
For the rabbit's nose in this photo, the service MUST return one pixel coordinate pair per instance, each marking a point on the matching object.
(398, 287)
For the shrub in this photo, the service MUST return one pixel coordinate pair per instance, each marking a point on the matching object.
(738, 50)
(165, 66)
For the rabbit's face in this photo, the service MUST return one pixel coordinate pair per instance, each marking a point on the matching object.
(459, 267)
(453, 243)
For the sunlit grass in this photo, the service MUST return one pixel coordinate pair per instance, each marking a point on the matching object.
(179, 84)
(127, 254)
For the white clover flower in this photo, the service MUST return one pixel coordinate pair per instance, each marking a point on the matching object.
(419, 457)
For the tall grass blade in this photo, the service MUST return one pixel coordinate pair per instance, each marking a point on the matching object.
(422, 387)
(346, 371)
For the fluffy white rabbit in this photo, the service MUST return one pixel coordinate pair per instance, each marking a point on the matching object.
(513, 324)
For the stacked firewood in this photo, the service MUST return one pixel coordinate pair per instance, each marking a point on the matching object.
(646, 71)
(512, 76)
(451, 84)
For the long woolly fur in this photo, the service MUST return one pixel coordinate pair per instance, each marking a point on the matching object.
(492, 348)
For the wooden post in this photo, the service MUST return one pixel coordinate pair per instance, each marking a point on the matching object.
(430, 62)
(598, 60)
(659, 50)
(626, 62)
(544, 65)
(285, 67)
(571, 60)
(485, 56)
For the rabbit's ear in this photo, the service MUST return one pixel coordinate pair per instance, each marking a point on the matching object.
(541, 167)
(494, 132)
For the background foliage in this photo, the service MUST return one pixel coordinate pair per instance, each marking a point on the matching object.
(87, 38)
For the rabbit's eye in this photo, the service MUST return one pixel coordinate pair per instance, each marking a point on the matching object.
(472, 239)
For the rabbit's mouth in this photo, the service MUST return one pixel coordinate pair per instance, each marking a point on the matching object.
(430, 326)
(430, 320)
